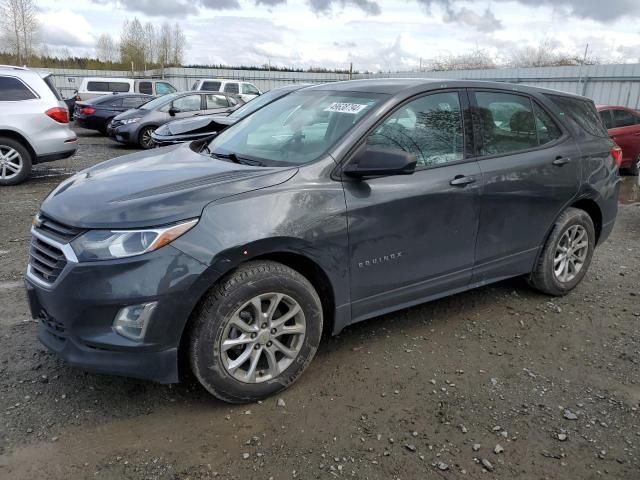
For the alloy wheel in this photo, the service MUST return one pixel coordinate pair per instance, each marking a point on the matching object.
(263, 337)
(11, 163)
(571, 253)
(146, 139)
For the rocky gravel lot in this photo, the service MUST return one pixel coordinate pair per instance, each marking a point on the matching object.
(497, 383)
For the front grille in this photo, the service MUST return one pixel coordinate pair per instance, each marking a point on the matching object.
(56, 230)
(46, 261)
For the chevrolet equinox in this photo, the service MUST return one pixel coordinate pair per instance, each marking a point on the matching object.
(332, 205)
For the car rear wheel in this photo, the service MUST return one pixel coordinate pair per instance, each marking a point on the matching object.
(567, 254)
(145, 139)
(255, 332)
(634, 169)
(15, 162)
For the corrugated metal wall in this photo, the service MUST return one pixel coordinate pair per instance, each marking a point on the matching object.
(68, 80)
(605, 84)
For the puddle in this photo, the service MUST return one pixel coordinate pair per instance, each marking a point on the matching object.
(629, 190)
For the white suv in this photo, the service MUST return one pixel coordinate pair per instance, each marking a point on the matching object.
(34, 123)
(245, 90)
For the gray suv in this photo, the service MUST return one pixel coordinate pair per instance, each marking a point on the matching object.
(332, 205)
(135, 126)
(34, 123)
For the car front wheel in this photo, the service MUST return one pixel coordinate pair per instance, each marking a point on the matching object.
(255, 332)
(145, 139)
(566, 256)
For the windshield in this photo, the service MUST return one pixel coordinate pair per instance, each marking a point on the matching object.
(158, 102)
(259, 102)
(296, 129)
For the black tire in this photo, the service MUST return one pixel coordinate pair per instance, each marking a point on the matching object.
(142, 138)
(634, 169)
(103, 128)
(212, 319)
(543, 277)
(25, 162)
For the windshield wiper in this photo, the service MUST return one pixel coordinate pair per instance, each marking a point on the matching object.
(232, 157)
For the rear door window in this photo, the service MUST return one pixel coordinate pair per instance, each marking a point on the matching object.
(146, 88)
(211, 86)
(582, 112)
(624, 118)
(505, 123)
(134, 102)
(546, 128)
(231, 87)
(13, 90)
(607, 119)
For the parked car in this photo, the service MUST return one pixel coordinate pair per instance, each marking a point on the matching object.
(245, 90)
(92, 87)
(34, 123)
(136, 126)
(97, 113)
(332, 205)
(623, 125)
(178, 131)
(71, 103)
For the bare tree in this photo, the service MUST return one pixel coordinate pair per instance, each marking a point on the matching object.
(106, 48)
(178, 45)
(546, 54)
(150, 44)
(20, 27)
(474, 60)
(132, 44)
(164, 42)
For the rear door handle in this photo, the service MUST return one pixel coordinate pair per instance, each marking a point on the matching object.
(560, 161)
(461, 181)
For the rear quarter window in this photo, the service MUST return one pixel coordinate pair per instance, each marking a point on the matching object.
(581, 112)
(13, 90)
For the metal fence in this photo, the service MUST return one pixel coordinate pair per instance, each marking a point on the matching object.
(617, 84)
(605, 84)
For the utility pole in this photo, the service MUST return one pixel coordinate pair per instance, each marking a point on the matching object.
(350, 70)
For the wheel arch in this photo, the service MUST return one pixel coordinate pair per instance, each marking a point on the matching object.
(303, 264)
(18, 137)
(593, 210)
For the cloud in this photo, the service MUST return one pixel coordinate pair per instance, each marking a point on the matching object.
(64, 28)
(598, 10)
(171, 8)
(325, 7)
(270, 3)
(487, 22)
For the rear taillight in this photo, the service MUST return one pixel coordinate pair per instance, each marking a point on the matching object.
(616, 153)
(59, 114)
(87, 110)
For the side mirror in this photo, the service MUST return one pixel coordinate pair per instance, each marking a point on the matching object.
(376, 162)
(173, 111)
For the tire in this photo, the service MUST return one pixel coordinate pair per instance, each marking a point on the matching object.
(634, 169)
(228, 315)
(144, 138)
(572, 223)
(103, 128)
(15, 162)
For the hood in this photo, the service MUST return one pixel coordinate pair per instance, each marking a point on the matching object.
(133, 113)
(153, 188)
(207, 123)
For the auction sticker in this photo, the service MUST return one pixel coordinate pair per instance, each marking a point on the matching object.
(340, 107)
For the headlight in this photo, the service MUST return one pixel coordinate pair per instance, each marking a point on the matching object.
(127, 121)
(111, 244)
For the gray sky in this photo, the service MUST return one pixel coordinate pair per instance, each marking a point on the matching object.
(373, 34)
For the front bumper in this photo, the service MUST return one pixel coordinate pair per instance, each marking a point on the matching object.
(124, 133)
(76, 312)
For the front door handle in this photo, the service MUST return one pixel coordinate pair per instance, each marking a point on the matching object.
(461, 181)
(560, 161)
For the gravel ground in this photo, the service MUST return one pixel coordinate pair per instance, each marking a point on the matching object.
(500, 382)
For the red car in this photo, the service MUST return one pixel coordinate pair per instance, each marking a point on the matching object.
(623, 125)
